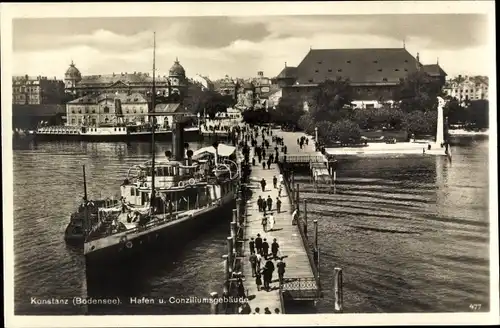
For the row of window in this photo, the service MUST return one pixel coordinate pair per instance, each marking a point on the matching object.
(348, 61)
(106, 111)
(471, 90)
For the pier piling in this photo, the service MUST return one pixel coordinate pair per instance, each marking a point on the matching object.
(230, 252)
(339, 297)
(214, 305)
(234, 230)
(305, 217)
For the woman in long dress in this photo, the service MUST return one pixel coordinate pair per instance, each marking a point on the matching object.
(270, 222)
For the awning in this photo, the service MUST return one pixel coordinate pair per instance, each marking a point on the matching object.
(222, 150)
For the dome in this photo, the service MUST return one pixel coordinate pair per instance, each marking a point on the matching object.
(73, 72)
(177, 69)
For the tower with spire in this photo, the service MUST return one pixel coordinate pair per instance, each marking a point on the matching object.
(71, 78)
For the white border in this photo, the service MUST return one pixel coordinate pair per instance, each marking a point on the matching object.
(9, 11)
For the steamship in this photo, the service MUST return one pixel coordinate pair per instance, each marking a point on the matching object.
(163, 200)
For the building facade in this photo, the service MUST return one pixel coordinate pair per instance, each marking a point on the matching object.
(466, 88)
(374, 74)
(227, 87)
(36, 90)
(126, 83)
(94, 110)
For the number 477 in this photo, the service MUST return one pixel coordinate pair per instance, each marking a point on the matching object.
(475, 307)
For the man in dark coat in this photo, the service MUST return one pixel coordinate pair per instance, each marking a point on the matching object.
(275, 182)
(268, 273)
(278, 204)
(274, 248)
(281, 270)
(253, 263)
(263, 165)
(265, 248)
(252, 245)
(260, 203)
(263, 183)
(269, 202)
(258, 244)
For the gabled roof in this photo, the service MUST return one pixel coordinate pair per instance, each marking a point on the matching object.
(134, 98)
(384, 65)
(288, 72)
(114, 78)
(434, 70)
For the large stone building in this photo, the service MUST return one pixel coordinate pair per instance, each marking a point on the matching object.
(107, 108)
(36, 90)
(83, 85)
(373, 73)
(227, 86)
(466, 88)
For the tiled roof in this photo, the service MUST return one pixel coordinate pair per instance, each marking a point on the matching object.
(288, 72)
(126, 78)
(37, 110)
(434, 70)
(359, 65)
(134, 98)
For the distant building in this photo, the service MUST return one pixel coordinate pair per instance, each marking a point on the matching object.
(466, 88)
(226, 86)
(374, 74)
(204, 82)
(36, 90)
(127, 83)
(107, 108)
(30, 116)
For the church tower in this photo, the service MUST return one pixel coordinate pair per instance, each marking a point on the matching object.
(177, 82)
(71, 78)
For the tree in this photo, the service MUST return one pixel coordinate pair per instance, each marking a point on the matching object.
(306, 123)
(288, 112)
(258, 116)
(329, 101)
(478, 113)
(417, 92)
(422, 123)
(344, 131)
(208, 102)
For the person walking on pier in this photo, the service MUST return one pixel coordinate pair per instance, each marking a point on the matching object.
(258, 244)
(270, 222)
(269, 202)
(268, 274)
(274, 248)
(263, 165)
(275, 182)
(278, 203)
(258, 263)
(252, 245)
(258, 282)
(285, 149)
(263, 183)
(253, 161)
(253, 262)
(295, 217)
(269, 164)
(260, 203)
(264, 223)
(265, 249)
(281, 270)
(280, 190)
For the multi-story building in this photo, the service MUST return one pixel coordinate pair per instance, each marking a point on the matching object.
(107, 109)
(227, 87)
(203, 81)
(374, 74)
(467, 88)
(36, 90)
(80, 85)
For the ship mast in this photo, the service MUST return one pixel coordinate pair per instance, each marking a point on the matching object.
(152, 119)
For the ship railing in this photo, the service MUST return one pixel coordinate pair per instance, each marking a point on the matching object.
(158, 219)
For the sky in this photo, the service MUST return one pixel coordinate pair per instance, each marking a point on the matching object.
(240, 46)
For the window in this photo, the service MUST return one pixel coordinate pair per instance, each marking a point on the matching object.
(384, 79)
(396, 69)
(339, 70)
(375, 61)
(348, 61)
(406, 60)
(310, 81)
(380, 70)
(317, 71)
(320, 62)
(329, 70)
(106, 109)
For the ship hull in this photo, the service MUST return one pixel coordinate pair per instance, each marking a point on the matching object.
(101, 264)
(189, 135)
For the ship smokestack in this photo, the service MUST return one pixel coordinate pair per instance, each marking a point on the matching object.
(178, 141)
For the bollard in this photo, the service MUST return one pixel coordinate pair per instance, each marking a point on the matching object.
(339, 297)
(305, 217)
(230, 250)
(234, 230)
(214, 305)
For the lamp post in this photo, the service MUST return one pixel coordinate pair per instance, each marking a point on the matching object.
(316, 134)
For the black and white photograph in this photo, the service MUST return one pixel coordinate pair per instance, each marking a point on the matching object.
(171, 163)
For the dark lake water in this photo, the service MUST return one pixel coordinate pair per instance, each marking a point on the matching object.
(410, 233)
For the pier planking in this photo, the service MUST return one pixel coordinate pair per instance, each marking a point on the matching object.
(287, 235)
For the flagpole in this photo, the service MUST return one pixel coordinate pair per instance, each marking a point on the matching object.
(153, 127)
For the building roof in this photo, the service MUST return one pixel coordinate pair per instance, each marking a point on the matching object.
(177, 69)
(134, 98)
(126, 78)
(383, 65)
(434, 70)
(37, 110)
(72, 71)
(288, 72)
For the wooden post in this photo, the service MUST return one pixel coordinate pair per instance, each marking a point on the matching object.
(230, 249)
(226, 268)
(238, 204)
(234, 230)
(298, 194)
(305, 217)
(234, 216)
(214, 305)
(315, 222)
(339, 297)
